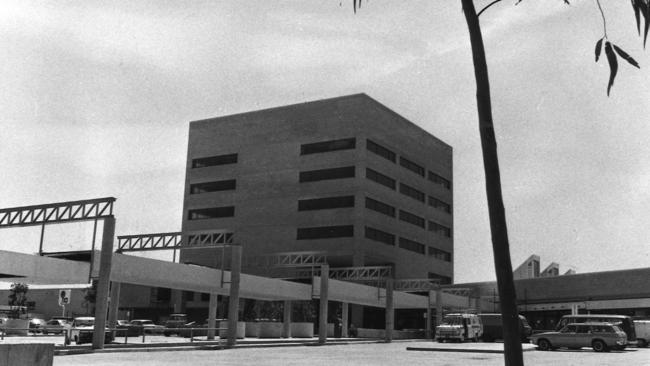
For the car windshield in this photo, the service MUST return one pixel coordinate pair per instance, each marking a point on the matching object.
(452, 320)
(84, 322)
(147, 322)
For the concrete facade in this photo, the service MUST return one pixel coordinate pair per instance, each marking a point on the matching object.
(544, 300)
(265, 209)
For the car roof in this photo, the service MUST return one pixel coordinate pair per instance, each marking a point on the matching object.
(591, 323)
(84, 318)
(611, 316)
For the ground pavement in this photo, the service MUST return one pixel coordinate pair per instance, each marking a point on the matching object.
(356, 354)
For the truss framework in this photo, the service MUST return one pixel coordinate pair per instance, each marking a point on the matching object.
(458, 291)
(369, 273)
(61, 212)
(174, 240)
(287, 260)
(416, 285)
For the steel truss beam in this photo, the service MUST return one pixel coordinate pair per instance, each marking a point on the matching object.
(61, 212)
(416, 285)
(375, 274)
(173, 240)
(458, 291)
(287, 260)
(369, 273)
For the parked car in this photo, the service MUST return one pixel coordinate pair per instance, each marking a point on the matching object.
(36, 325)
(642, 330)
(194, 329)
(622, 321)
(600, 336)
(146, 326)
(55, 326)
(459, 327)
(81, 331)
(175, 321)
(124, 329)
(493, 327)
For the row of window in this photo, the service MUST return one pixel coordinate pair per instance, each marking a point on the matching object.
(332, 203)
(406, 190)
(388, 238)
(406, 163)
(342, 231)
(332, 173)
(333, 145)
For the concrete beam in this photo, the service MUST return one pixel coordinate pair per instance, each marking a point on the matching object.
(34, 269)
(158, 273)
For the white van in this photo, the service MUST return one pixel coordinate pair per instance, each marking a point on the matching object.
(459, 327)
(642, 330)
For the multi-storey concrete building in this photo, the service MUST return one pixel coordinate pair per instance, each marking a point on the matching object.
(346, 175)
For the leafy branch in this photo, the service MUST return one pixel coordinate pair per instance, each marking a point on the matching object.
(611, 50)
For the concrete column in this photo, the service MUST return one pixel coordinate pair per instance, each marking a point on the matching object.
(428, 315)
(286, 318)
(114, 305)
(233, 301)
(212, 315)
(344, 320)
(390, 311)
(356, 311)
(177, 301)
(438, 307)
(322, 315)
(101, 304)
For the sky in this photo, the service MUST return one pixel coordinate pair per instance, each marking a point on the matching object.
(97, 98)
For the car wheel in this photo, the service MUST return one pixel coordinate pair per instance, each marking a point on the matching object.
(641, 343)
(544, 345)
(599, 346)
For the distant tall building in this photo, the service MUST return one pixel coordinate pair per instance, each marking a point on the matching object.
(528, 269)
(346, 175)
(551, 270)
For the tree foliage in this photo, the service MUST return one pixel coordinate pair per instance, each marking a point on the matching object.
(18, 294)
(641, 9)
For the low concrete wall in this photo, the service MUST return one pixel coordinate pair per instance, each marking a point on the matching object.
(302, 330)
(397, 334)
(241, 329)
(252, 329)
(330, 330)
(16, 326)
(270, 329)
(34, 354)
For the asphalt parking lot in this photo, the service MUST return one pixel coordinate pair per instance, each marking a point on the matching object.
(353, 354)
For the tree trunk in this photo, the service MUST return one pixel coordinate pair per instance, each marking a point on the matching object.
(512, 346)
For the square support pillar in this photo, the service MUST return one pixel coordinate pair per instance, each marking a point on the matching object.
(324, 296)
(344, 320)
(428, 315)
(233, 301)
(286, 318)
(212, 315)
(390, 311)
(114, 306)
(105, 261)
